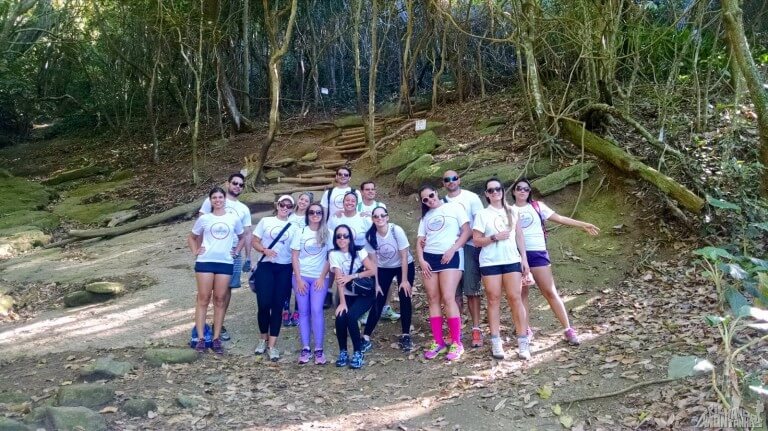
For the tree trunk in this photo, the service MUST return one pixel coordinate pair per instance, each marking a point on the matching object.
(405, 66)
(247, 57)
(356, 51)
(734, 27)
(240, 124)
(437, 75)
(372, 69)
(526, 10)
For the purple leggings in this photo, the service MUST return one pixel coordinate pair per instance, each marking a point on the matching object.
(311, 308)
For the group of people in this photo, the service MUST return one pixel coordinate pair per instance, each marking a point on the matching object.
(346, 239)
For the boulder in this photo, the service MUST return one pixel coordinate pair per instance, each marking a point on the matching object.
(309, 157)
(562, 178)
(82, 297)
(8, 424)
(13, 398)
(110, 287)
(422, 162)
(158, 357)
(431, 173)
(408, 151)
(74, 418)
(106, 368)
(506, 173)
(89, 395)
(490, 130)
(139, 407)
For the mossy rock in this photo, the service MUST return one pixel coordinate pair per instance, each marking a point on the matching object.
(562, 178)
(5, 173)
(139, 407)
(436, 126)
(432, 173)
(158, 357)
(421, 162)
(490, 130)
(90, 395)
(273, 174)
(18, 194)
(506, 173)
(74, 418)
(105, 368)
(74, 174)
(493, 121)
(349, 121)
(81, 297)
(309, 157)
(408, 151)
(13, 398)
(74, 206)
(8, 424)
(109, 287)
(27, 219)
(123, 174)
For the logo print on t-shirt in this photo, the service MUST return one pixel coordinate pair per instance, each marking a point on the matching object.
(345, 266)
(526, 220)
(338, 201)
(436, 223)
(499, 224)
(220, 230)
(276, 231)
(386, 252)
(312, 248)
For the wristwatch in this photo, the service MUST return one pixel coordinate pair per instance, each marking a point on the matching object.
(493, 238)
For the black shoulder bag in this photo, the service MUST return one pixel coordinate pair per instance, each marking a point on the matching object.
(361, 286)
(251, 279)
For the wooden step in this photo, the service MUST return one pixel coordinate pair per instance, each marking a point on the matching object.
(291, 190)
(353, 150)
(317, 173)
(323, 164)
(314, 181)
(351, 144)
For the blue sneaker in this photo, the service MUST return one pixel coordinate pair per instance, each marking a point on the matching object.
(366, 346)
(343, 359)
(357, 361)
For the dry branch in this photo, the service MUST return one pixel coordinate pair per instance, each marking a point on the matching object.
(394, 134)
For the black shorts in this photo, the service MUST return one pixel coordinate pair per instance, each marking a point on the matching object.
(214, 267)
(501, 269)
(434, 262)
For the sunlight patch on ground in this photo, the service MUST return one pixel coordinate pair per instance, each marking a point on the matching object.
(104, 259)
(385, 417)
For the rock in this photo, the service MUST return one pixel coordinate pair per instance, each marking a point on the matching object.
(139, 407)
(21, 242)
(106, 368)
(349, 121)
(81, 297)
(506, 173)
(158, 357)
(493, 121)
(89, 395)
(105, 287)
(309, 157)
(436, 127)
(273, 174)
(6, 304)
(431, 173)
(74, 174)
(8, 424)
(5, 173)
(13, 398)
(186, 402)
(36, 416)
(422, 162)
(562, 178)
(408, 151)
(74, 418)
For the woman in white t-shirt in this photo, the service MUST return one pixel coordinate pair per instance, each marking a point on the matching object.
(310, 248)
(298, 220)
(443, 230)
(271, 280)
(387, 243)
(351, 218)
(211, 241)
(531, 216)
(346, 261)
(502, 263)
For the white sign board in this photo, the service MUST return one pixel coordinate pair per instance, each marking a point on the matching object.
(323, 90)
(421, 125)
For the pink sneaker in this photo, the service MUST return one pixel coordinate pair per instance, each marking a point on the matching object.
(320, 357)
(529, 333)
(454, 352)
(433, 350)
(571, 337)
(305, 356)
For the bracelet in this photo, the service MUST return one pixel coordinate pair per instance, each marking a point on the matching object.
(493, 238)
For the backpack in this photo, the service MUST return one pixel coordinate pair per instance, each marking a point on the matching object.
(535, 205)
(207, 334)
(328, 198)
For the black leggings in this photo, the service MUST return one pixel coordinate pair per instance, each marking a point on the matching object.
(273, 285)
(385, 276)
(347, 322)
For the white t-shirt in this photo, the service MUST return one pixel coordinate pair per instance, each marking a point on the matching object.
(297, 220)
(471, 204)
(342, 261)
(366, 210)
(267, 229)
(312, 256)
(239, 209)
(218, 233)
(441, 226)
(490, 221)
(388, 253)
(531, 224)
(337, 199)
(358, 225)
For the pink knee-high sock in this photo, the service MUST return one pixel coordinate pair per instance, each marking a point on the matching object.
(436, 323)
(454, 328)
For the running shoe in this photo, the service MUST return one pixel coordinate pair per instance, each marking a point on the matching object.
(389, 313)
(200, 346)
(224, 334)
(286, 318)
(320, 357)
(497, 348)
(455, 351)
(343, 359)
(366, 346)
(260, 348)
(274, 354)
(406, 345)
(477, 338)
(571, 337)
(357, 360)
(295, 319)
(523, 348)
(217, 347)
(305, 356)
(434, 350)
(529, 333)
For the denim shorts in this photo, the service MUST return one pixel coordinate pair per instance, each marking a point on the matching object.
(214, 267)
(486, 271)
(537, 258)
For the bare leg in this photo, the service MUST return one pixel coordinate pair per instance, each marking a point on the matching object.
(221, 292)
(513, 289)
(546, 283)
(204, 288)
(492, 284)
(449, 280)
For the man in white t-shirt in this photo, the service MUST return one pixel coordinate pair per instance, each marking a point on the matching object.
(366, 206)
(470, 280)
(333, 198)
(235, 186)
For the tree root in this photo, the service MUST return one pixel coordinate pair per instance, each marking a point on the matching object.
(620, 392)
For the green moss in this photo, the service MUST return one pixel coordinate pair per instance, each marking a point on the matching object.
(506, 173)
(493, 121)
(349, 121)
(420, 163)
(124, 174)
(92, 189)
(17, 194)
(431, 173)
(408, 151)
(26, 219)
(490, 130)
(72, 209)
(562, 178)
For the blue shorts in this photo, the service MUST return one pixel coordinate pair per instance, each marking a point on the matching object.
(537, 258)
(214, 267)
(434, 262)
(501, 269)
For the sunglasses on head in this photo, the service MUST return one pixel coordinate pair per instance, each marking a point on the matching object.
(286, 205)
(450, 179)
(314, 212)
(237, 184)
(523, 189)
(380, 215)
(491, 190)
(342, 236)
(428, 197)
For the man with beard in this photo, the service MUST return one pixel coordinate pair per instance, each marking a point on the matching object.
(333, 198)
(235, 186)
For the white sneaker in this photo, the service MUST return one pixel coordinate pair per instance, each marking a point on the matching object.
(388, 313)
(274, 354)
(523, 351)
(260, 348)
(497, 348)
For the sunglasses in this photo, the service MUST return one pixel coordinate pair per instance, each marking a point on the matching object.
(342, 236)
(286, 206)
(237, 184)
(342, 174)
(426, 199)
(450, 179)
(492, 190)
(523, 189)
(314, 213)
(380, 216)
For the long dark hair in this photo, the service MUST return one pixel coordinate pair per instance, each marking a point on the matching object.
(351, 238)
(424, 207)
(528, 183)
(370, 234)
